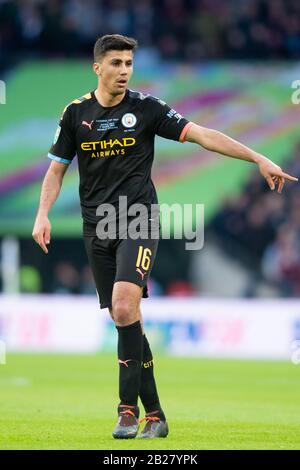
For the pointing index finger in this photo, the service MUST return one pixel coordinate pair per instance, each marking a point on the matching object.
(289, 177)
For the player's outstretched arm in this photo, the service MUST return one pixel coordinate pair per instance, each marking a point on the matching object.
(50, 190)
(215, 141)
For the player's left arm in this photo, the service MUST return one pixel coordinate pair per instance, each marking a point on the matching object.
(216, 141)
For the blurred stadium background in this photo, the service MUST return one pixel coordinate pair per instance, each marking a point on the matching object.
(225, 65)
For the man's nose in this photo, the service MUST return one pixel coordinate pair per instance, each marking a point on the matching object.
(124, 70)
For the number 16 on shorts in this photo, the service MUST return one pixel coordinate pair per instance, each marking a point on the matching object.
(143, 261)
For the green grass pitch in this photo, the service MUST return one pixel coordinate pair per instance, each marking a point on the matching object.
(69, 402)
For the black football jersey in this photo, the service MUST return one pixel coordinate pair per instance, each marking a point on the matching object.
(114, 147)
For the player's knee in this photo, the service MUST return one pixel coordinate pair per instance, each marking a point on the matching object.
(124, 312)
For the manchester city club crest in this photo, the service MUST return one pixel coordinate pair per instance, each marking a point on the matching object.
(129, 120)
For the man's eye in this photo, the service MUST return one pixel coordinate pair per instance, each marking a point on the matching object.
(129, 64)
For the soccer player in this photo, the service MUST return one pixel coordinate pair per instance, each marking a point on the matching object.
(112, 131)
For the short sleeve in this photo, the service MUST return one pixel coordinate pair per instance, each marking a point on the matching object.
(167, 122)
(63, 148)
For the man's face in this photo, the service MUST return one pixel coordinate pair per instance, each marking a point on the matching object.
(114, 71)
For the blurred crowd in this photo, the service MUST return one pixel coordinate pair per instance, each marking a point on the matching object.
(262, 228)
(175, 29)
(259, 229)
(67, 278)
(65, 273)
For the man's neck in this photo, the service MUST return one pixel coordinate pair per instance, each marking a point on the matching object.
(106, 99)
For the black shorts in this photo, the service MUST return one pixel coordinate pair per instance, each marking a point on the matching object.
(119, 260)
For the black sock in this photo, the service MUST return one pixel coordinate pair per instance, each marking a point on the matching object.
(130, 353)
(148, 391)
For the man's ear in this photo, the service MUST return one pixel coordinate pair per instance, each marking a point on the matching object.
(97, 68)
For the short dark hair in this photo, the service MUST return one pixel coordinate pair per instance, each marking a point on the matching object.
(115, 42)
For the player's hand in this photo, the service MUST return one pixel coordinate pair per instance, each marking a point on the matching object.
(41, 232)
(274, 174)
